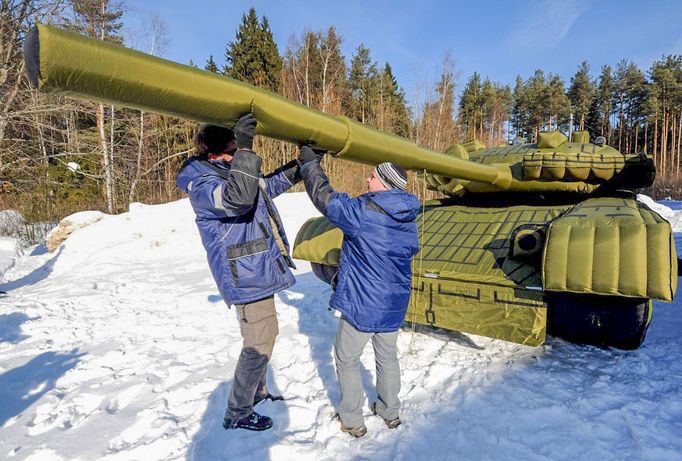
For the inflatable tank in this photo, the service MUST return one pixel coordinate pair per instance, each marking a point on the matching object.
(565, 248)
(529, 239)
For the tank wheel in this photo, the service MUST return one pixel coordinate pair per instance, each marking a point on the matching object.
(613, 321)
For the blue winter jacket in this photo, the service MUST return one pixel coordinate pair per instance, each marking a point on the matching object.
(380, 238)
(235, 226)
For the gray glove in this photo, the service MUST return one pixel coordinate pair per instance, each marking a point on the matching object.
(308, 154)
(245, 130)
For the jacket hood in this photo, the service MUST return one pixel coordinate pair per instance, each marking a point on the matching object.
(192, 168)
(400, 205)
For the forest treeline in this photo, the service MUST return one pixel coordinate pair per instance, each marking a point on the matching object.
(60, 155)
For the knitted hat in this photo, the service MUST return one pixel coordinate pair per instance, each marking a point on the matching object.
(391, 175)
(213, 139)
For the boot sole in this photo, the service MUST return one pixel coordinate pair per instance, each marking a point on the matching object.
(255, 429)
(247, 428)
(355, 432)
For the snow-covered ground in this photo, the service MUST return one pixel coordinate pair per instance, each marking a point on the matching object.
(118, 347)
(10, 250)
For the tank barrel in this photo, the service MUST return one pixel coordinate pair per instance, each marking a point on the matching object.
(69, 64)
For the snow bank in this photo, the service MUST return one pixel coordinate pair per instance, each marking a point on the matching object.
(669, 210)
(117, 346)
(665, 212)
(69, 225)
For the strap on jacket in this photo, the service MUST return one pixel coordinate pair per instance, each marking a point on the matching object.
(273, 214)
(372, 205)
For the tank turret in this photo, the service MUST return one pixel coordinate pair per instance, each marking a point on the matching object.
(553, 164)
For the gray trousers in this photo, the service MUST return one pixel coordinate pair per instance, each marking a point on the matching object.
(347, 351)
(259, 328)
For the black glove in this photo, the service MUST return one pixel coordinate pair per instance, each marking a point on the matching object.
(308, 155)
(245, 130)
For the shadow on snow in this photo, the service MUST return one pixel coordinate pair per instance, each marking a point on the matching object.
(10, 327)
(20, 387)
(37, 275)
(213, 443)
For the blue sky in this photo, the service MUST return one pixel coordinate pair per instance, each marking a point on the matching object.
(499, 39)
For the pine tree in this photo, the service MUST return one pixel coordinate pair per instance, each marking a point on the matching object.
(557, 105)
(629, 91)
(618, 97)
(666, 89)
(599, 116)
(211, 65)
(361, 80)
(518, 111)
(396, 108)
(253, 56)
(488, 107)
(470, 106)
(581, 93)
(500, 111)
(99, 19)
(272, 61)
(535, 103)
(635, 95)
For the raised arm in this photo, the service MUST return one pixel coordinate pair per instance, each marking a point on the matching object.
(283, 178)
(341, 210)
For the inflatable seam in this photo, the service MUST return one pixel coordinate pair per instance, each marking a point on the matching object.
(347, 143)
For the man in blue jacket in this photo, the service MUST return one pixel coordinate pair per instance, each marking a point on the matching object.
(372, 288)
(247, 250)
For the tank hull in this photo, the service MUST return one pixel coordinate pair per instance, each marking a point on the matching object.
(483, 268)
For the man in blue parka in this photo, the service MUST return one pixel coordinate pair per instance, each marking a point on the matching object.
(247, 249)
(372, 288)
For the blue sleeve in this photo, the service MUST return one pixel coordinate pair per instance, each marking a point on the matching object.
(339, 208)
(346, 213)
(282, 179)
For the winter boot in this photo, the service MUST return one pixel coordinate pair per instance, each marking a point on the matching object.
(253, 422)
(391, 423)
(356, 432)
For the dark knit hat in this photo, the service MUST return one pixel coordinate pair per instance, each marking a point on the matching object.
(391, 175)
(213, 139)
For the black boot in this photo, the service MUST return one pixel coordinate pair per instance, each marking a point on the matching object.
(253, 422)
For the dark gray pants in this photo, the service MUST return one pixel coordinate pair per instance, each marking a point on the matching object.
(349, 345)
(259, 328)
